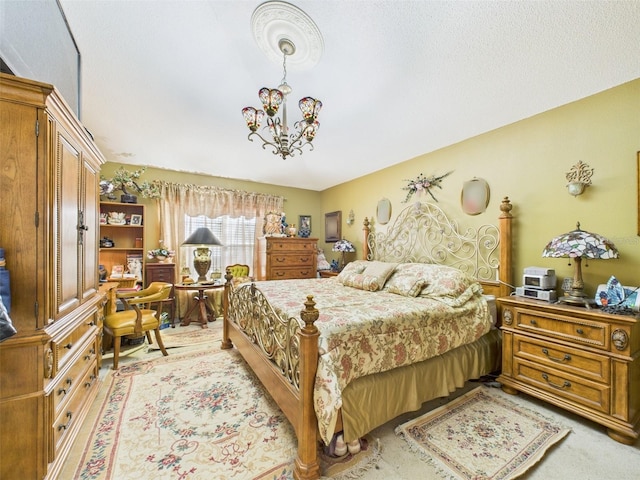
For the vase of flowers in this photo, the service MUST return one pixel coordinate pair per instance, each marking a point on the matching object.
(160, 254)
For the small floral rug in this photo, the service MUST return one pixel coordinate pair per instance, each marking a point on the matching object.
(188, 336)
(202, 415)
(481, 435)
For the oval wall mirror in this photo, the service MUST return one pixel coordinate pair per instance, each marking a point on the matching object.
(383, 212)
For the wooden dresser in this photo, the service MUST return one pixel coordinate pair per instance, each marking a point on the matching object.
(283, 258)
(163, 272)
(585, 361)
(50, 231)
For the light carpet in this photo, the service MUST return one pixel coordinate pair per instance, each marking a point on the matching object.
(481, 435)
(201, 415)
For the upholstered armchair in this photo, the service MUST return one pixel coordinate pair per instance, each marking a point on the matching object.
(138, 317)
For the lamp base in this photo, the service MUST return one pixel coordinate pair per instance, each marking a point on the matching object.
(577, 301)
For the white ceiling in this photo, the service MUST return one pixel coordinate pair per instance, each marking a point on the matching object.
(164, 82)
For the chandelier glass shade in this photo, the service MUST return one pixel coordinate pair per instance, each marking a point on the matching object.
(274, 100)
(577, 245)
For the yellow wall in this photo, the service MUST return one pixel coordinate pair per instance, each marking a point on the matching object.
(526, 161)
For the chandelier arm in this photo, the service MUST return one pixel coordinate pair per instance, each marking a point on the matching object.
(274, 146)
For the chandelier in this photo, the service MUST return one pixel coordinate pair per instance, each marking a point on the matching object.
(304, 131)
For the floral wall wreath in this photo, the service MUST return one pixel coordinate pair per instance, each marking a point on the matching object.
(422, 184)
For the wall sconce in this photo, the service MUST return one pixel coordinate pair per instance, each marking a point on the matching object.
(579, 177)
(350, 218)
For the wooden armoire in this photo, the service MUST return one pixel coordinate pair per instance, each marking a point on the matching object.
(49, 175)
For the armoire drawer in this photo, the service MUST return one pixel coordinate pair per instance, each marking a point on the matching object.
(70, 381)
(65, 347)
(68, 416)
(567, 359)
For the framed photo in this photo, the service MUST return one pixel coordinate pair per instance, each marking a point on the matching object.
(136, 219)
(332, 226)
(304, 226)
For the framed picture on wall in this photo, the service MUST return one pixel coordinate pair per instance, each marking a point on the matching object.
(332, 226)
(304, 225)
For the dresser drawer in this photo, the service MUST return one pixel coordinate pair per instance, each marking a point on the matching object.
(291, 273)
(576, 389)
(67, 384)
(291, 245)
(581, 331)
(299, 260)
(571, 360)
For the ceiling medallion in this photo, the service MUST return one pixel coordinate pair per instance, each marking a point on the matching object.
(272, 21)
(282, 24)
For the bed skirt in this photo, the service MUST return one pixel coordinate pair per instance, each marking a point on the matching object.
(371, 401)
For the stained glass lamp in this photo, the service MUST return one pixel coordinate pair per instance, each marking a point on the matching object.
(343, 246)
(577, 245)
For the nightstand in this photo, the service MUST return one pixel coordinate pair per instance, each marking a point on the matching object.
(328, 273)
(582, 360)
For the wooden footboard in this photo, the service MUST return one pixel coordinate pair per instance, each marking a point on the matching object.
(283, 353)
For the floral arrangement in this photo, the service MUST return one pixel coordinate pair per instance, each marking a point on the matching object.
(422, 184)
(160, 253)
(124, 179)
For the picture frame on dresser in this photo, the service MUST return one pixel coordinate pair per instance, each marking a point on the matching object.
(333, 226)
(136, 219)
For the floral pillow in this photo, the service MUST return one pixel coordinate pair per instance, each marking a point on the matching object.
(439, 280)
(372, 277)
(404, 283)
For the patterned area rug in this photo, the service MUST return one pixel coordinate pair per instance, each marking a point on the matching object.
(202, 415)
(481, 435)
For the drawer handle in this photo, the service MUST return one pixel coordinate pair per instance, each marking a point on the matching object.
(68, 346)
(566, 383)
(63, 391)
(566, 357)
(92, 352)
(92, 379)
(281, 259)
(579, 331)
(65, 426)
(304, 259)
(533, 322)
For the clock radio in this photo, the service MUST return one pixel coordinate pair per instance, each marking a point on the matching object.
(544, 282)
(548, 295)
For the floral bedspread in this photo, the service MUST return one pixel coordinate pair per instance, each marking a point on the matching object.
(365, 332)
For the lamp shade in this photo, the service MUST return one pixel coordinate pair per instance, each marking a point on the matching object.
(202, 237)
(579, 243)
(343, 246)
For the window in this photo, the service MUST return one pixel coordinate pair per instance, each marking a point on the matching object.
(237, 236)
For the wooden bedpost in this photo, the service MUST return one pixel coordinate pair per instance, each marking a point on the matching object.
(506, 267)
(226, 342)
(306, 464)
(365, 243)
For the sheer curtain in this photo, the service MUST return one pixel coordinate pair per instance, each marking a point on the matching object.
(181, 203)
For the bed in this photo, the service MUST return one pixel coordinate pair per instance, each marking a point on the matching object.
(317, 364)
